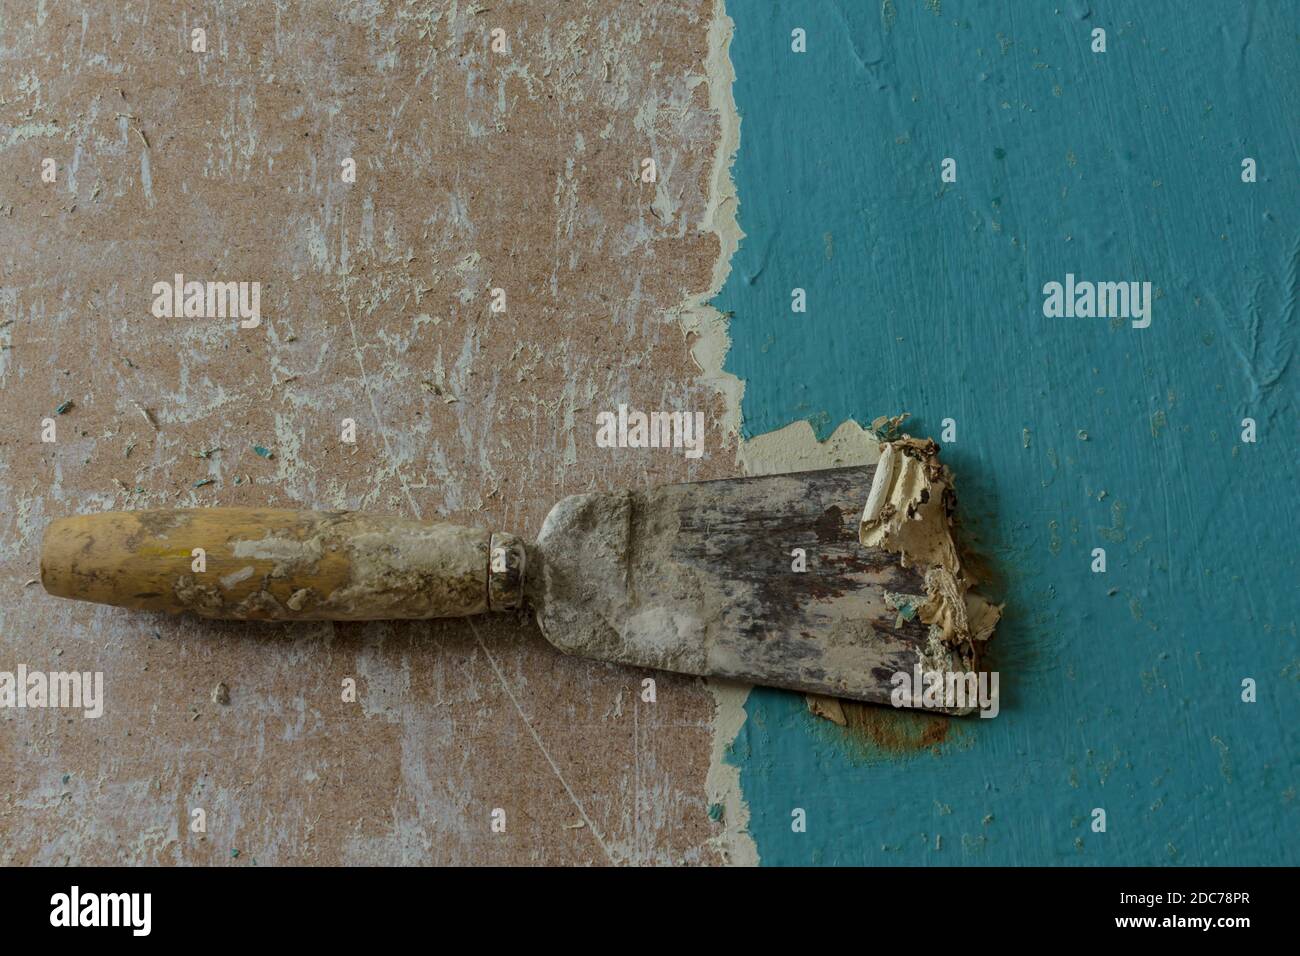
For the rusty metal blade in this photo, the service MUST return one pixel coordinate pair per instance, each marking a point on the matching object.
(699, 578)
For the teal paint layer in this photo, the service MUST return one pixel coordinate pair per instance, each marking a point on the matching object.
(1120, 690)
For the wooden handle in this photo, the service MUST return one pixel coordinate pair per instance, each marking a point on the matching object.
(266, 564)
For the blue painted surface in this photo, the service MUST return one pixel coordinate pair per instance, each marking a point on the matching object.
(1120, 690)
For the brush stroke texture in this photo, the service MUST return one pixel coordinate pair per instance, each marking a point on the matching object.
(1120, 690)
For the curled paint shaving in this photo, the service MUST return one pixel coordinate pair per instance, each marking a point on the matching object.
(910, 511)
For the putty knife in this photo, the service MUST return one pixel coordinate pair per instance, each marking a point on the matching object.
(700, 578)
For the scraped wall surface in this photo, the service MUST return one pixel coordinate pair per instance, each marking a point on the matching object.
(475, 169)
(1121, 690)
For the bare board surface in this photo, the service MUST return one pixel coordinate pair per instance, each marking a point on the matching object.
(475, 171)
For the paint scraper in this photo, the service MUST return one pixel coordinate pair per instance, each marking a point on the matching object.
(761, 579)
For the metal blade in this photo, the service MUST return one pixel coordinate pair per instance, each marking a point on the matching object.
(698, 578)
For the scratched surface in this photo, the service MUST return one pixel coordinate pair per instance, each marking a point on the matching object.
(475, 170)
